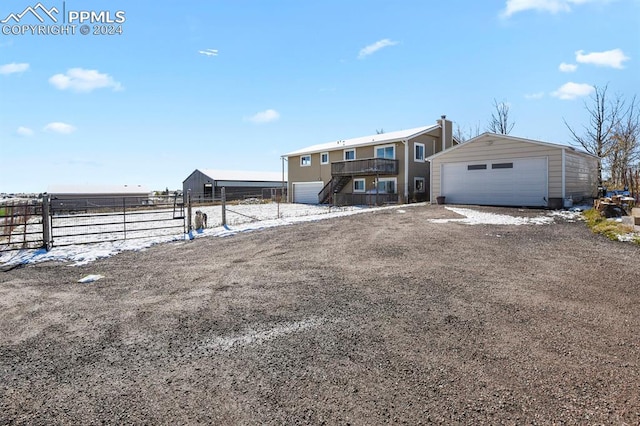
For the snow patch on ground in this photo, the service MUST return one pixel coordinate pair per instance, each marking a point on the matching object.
(627, 238)
(474, 217)
(251, 336)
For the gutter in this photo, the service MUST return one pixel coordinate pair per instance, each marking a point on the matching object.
(406, 170)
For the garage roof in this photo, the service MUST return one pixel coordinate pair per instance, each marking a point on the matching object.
(488, 137)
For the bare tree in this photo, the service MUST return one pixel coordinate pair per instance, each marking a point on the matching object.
(499, 122)
(465, 134)
(625, 145)
(459, 134)
(604, 117)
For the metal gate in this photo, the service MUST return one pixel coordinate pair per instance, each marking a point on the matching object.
(21, 225)
(114, 218)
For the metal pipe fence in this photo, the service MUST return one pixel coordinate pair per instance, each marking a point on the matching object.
(21, 225)
(61, 222)
(47, 223)
(114, 219)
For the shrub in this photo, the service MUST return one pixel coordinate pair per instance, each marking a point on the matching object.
(609, 228)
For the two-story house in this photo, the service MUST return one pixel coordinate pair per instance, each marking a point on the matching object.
(376, 169)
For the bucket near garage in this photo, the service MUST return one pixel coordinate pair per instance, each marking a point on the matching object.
(440, 199)
(568, 203)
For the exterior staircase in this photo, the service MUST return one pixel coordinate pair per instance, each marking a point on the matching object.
(336, 184)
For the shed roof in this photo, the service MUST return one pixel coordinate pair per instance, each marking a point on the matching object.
(76, 189)
(487, 136)
(365, 140)
(239, 175)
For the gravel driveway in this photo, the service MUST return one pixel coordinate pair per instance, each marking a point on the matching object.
(381, 317)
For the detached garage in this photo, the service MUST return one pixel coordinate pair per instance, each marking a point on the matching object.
(502, 170)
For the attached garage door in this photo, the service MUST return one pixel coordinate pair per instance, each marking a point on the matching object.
(306, 192)
(514, 182)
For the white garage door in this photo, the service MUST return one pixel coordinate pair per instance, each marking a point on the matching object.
(306, 192)
(514, 182)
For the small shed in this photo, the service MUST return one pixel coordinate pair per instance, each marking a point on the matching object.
(503, 170)
(206, 184)
(83, 197)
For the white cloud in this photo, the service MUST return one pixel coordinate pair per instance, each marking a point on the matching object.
(538, 95)
(570, 90)
(564, 67)
(81, 80)
(266, 116)
(372, 48)
(552, 6)
(58, 127)
(610, 58)
(24, 131)
(209, 52)
(13, 68)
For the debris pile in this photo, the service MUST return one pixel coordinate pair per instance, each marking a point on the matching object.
(616, 204)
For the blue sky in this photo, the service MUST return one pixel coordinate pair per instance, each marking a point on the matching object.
(235, 84)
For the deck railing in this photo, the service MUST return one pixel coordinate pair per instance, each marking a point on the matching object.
(371, 199)
(365, 167)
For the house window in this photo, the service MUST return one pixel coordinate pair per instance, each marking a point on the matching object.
(305, 160)
(349, 154)
(387, 185)
(502, 166)
(477, 167)
(387, 151)
(418, 184)
(324, 158)
(358, 185)
(419, 152)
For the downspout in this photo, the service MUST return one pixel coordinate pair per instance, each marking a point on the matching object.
(431, 181)
(283, 158)
(564, 176)
(444, 132)
(406, 171)
(282, 161)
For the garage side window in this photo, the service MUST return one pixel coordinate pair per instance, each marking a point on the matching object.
(305, 160)
(477, 167)
(502, 166)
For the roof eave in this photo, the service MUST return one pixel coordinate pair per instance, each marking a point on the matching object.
(508, 137)
(305, 151)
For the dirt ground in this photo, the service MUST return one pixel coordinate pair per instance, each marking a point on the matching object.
(382, 317)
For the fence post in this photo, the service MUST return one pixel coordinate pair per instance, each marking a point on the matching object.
(188, 210)
(223, 195)
(46, 223)
(124, 216)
